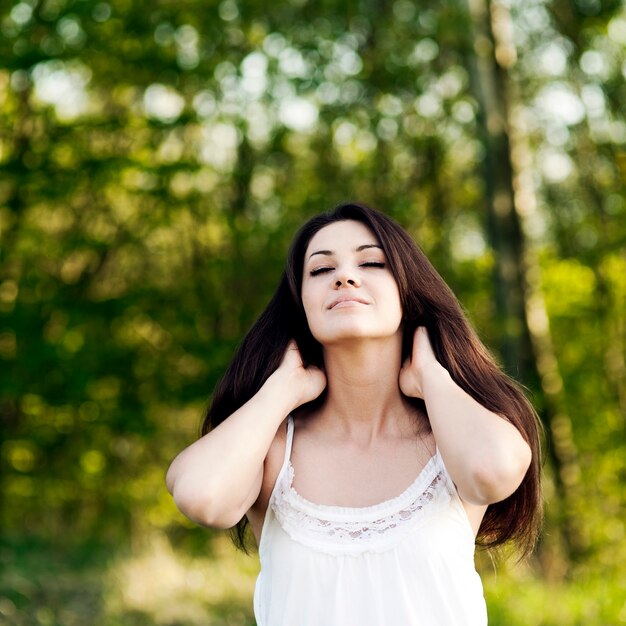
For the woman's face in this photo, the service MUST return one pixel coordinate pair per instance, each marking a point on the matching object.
(348, 290)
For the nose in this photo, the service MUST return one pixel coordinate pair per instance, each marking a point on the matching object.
(345, 277)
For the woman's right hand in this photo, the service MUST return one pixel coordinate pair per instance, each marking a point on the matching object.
(218, 478)
(305, 383)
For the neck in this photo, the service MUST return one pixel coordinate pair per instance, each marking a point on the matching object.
(364, 397)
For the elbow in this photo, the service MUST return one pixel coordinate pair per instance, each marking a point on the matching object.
(170, 479)
(201, 507)
(205, 511)
(498, 478)
(205, 514)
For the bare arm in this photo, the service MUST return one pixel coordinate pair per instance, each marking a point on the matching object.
(217, 478)
(485, 454)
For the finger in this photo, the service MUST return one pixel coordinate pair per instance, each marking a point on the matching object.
(293, 346)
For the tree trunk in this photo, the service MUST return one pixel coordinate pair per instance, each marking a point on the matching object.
(528, 350)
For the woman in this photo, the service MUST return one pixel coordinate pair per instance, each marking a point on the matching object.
(367, 437)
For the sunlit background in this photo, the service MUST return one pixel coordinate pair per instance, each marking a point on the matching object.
(157, 157)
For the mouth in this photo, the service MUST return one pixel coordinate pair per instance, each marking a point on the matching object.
(346, 301)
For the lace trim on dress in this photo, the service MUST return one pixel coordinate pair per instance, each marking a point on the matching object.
(351, 530)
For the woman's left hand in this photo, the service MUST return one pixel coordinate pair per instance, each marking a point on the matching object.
(422, 358)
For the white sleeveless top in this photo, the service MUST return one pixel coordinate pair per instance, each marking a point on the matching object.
(408, 561)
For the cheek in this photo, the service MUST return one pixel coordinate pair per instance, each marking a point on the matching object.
(395, 303)
(309, 303)
(306, 300)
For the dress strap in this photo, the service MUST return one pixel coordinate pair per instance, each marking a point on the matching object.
(285, 466)
(289, 442)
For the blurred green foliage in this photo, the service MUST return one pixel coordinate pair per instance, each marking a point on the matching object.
(156, 160)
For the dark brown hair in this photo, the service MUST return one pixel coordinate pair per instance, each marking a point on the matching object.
(426, 301)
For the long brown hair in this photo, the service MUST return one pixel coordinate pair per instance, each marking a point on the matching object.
(426, 301)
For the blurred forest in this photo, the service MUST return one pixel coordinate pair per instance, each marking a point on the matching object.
(156, 159)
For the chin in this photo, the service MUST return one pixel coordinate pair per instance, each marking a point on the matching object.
(336, 336)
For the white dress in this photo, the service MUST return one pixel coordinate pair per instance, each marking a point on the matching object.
(408, 561)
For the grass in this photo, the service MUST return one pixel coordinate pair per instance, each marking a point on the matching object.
(153, 584)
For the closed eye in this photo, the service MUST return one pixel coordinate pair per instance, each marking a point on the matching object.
(320, 270)
(323, 270)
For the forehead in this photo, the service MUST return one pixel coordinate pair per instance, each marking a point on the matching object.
(344, 235)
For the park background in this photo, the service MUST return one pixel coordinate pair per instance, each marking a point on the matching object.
(156, 159)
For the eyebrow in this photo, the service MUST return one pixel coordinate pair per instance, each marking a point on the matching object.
(363, 247)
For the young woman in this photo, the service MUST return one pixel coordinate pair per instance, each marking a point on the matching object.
(367, 437)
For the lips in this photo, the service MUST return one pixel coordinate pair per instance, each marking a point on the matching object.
(347, 299)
